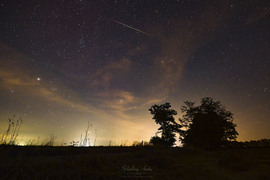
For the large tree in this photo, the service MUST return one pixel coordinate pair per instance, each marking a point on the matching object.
(163, 115)
(208, 125)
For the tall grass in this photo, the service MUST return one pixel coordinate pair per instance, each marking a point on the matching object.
(10, 135)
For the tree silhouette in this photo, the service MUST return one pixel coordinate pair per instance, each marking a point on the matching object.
(163, 115)
(208, 125)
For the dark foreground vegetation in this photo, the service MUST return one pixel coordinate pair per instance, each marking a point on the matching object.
(206, 131)
(118, 162)
(207, 125)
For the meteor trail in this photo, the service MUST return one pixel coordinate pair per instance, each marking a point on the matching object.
(132, 28)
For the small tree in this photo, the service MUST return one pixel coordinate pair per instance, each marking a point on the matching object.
(208, 125)
(163, 115)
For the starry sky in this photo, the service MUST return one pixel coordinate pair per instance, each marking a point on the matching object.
(64, 63)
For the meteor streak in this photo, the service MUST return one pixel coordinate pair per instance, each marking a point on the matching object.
(132, 28)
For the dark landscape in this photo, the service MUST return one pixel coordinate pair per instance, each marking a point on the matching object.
(109, 163)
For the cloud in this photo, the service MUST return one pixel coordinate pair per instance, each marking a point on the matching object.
(10, 79)
(103, 76)
(19, 75)
(117, 102)
(178, 39)
(124, 105)
(51, 96)
(15, 68)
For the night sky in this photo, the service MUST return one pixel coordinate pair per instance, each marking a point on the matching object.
(64, 63)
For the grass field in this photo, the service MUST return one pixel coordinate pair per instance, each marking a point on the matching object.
(132, 163)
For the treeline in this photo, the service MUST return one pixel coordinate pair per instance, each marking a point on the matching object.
(207, 125)
(250, 144)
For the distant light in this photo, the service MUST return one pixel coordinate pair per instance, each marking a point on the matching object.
(21, 143)
(38, 78)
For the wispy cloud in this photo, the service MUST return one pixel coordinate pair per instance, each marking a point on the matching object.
(103, 76)
(21, 79)
(9, 78)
